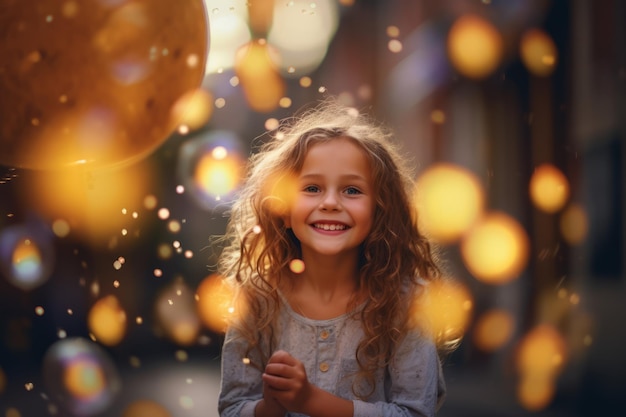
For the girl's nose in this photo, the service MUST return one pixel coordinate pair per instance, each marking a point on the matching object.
(330, 202)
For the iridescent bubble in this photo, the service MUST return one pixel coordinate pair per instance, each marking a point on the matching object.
(210, 167)
(26, 255)
(80, 376)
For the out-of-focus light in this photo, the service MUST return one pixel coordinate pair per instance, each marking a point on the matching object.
(493, 329)
(107, 321)
(541, 352)
(297, 266)
(175, 313)
(26, 255)
(549, 188)
(215, 303)
(540, 356)
(495, 250)
(450, 200)
(301, 32)
(145, 408)
(475, 46)
(228, 31)
(193, 109)
(279, 193)
(446, 308)
(259, 76)
(535, 393)
(87, 199)
(211, 167)
(80, 376)
(574, 224)
(538, 52)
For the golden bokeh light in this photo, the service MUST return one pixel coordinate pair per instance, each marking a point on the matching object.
(450, 200)
(107, 321)
(218, 175)
(193, 109)
(535, 393)
(145, 408)
(493, 329)
(574, 224)
(475, 46)
(259, 76)
(215, 303)
(297, 266)
(84, 379)
(279, 193)
(538, 52)
(541, 352)
(549, 188)
(446, 308)
(89, 200)
(496, 249)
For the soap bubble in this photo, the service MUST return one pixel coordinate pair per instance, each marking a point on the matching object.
(211, 167)
(80, 376)
(26, 255)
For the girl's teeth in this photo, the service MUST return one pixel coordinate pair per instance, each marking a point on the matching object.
(330, 226)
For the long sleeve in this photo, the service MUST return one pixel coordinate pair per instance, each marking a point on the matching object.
(414, 384)
(241, 387)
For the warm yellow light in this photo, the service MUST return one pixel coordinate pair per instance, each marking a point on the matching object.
(193, 109)
(450, 199)
(474, 46)
(535, 393)
(215, 303)
(89, 200)
(218, 177)
(549, 188)
(538, 52)
(493, 329)
(541, 352)
(279, 193)
(259, 76)
(574, 224)
(107, 321)
(145, 408)
(446, 308)
(84, 379)
(495, 250)
(296, 266)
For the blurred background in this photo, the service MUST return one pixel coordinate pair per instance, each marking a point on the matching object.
(125, 126)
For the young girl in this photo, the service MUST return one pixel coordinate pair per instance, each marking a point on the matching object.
(325, 254)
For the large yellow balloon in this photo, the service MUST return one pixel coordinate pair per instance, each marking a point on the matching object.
(93, 82)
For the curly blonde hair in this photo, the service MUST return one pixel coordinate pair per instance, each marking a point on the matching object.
(395, 259)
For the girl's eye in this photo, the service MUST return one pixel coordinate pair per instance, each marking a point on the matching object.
(352, 191)
(311, 189)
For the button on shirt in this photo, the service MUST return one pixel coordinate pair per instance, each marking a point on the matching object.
(412, 385)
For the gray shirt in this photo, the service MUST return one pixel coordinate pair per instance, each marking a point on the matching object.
(411, 385)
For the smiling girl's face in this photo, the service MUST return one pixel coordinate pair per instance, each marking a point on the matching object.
(333, 210)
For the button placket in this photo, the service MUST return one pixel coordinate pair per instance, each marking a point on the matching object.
(326, 349)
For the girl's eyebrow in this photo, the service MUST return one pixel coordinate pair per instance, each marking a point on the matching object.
(349, 177)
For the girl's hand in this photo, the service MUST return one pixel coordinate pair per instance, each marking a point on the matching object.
(269, 406)
(286, 381)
